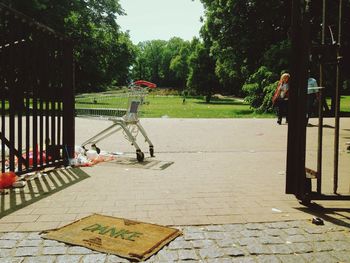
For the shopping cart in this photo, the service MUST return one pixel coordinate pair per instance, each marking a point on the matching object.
(120, 107)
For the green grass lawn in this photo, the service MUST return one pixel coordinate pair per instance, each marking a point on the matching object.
(344, 103)
(173, 107)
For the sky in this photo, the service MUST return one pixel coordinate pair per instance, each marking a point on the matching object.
(161, 19)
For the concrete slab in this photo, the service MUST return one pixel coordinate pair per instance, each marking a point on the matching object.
(221, 171)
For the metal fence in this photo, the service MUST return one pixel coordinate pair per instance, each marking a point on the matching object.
(297, 181)
(37, 94)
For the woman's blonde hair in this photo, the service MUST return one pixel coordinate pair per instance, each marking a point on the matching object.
(284, 76)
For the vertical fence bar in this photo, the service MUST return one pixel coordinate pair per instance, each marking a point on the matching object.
(68, 105)
(2, 88)
(53, 87)
(12, 109)
(337, 104)
(320, 107)
(20, 85)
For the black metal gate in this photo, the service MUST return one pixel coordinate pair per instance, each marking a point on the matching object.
(297, 182)
(37, 94)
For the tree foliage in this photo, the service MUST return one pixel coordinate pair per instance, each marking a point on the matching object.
(163, 62)
(241, 32)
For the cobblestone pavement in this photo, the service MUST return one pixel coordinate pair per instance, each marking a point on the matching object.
(292, 241)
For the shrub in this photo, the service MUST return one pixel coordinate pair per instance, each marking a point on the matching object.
(259, 89)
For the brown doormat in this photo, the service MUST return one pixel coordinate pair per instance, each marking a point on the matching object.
(126, 238)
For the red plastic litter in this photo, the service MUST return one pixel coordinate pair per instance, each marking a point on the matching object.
(7, 179)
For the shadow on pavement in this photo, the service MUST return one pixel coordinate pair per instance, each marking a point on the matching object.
(337, 216)
(39, 188)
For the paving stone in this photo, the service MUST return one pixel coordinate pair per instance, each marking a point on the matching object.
(268, 259)
(316, 237)
(298, 224)
(194, 236)
(301, 248)
(68, 259)
(292, 258)
(30, 243)
(251, 233)
(40, 259)
(258, 249)
(219, 260)
(27, 251)
(187, 254)
(215, 228)
(214, 235)
(233, 227)
(180, 245)
(76, 250)
(233, 252)
(244, 260)
(227, 242)
(279, 225)
(281, 249)
(343, 256)
(203, 243)
(268, 240)
(14, 236)
(251, 226)
(96, 258)
(153, 259)
(211, 252)
(53, 243)
(338, 236)
(247, 241)
(233, 235)
(5, 253)
(34, 235)
(315, 230)
(322, 246)
(297, 239)
(54, 250)
(188, 261)
(169, 256)
(115, 259)
(192, 229)
(273, 232)
(12, 260)
(320, 257)
(8, 243)
(294, 231)
(340, 245)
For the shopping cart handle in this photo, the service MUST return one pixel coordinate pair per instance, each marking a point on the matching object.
(144, 83)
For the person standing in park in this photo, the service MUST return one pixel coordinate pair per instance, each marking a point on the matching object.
(280, 98)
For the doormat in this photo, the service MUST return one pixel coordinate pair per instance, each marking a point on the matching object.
(146, 164)
(122, 237)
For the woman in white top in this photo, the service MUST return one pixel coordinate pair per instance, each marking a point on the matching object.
(280, 98)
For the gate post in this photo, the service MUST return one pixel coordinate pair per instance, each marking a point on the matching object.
(296, 182)
(68, 100)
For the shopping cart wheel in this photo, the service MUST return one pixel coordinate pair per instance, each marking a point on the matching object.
(98, 150)
(151, 151)
(140, 156)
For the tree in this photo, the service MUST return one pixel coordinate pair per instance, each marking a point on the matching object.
(163, 62)
(102, 52)
(202, 76)
(259, 89)
(241, 32)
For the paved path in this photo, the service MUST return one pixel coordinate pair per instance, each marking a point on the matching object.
(293, 241)
(221, 175)
(205, 172)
